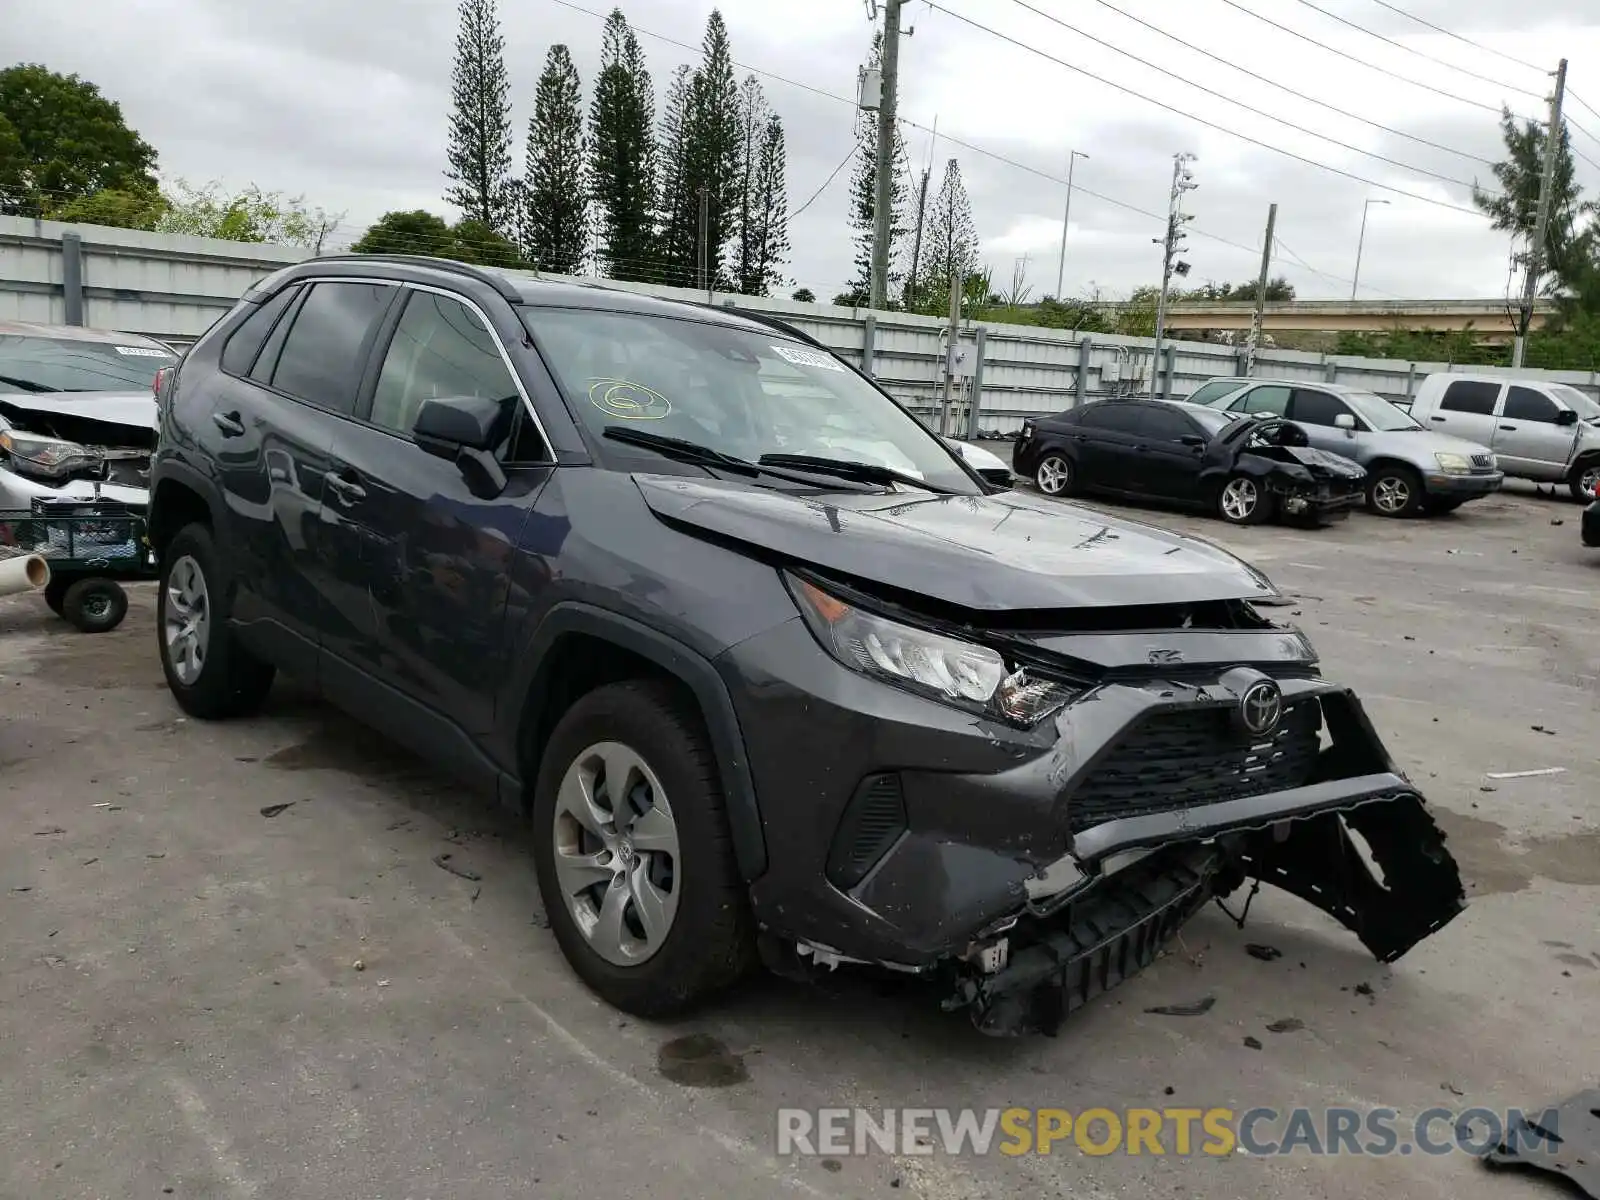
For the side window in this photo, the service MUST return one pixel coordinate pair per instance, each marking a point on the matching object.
(440, 348)
(1470, 396)
(1165, 425)
(1206, 393)
(326, 347)
(1117, 418)
(245, 342)
(1525, 404)
(1270, 398)
(1316, 408)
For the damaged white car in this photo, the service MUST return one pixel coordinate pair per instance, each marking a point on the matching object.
(77, 414)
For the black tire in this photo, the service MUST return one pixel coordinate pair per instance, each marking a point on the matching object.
(55, 594)
(231, 681)
(1241, 488)
(94, 605)
(710, 942)
(1584, 482)
(1055, 474)
(1394, 491)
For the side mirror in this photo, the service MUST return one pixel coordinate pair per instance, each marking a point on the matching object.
(465, 430)
(1192, 439)
(1344, 421)
(1566, 417)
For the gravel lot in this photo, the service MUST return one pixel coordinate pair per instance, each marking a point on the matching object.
(199, 1000)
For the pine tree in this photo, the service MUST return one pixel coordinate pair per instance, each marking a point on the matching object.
(949, 239)
(748, 276)
(479, 149)
(864, 197)
(677, 207)
(556, 213)
(622, 154)
(770, 213)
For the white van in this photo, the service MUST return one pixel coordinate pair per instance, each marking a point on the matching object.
(1549, 432)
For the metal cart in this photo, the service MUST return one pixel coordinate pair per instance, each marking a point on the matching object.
(92, 548)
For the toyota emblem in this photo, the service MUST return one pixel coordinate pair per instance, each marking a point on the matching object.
(1261, 708)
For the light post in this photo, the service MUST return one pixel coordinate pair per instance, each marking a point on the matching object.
(1061, 263)
(1361, 241)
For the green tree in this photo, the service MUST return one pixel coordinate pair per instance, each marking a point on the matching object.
(1239, 293)
(753, 115)
(61, 139)
(677, 207)
(804, 295)
(124, 208)
(474, 241)
(555, 215)
(622, 154)
(864, 198)
(479, 147)
(764, 228)
(949, 241)
(1137, 317)
(415, 232)
(250, 215)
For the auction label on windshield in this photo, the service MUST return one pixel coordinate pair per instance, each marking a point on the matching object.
(802, 357)
(142, 352)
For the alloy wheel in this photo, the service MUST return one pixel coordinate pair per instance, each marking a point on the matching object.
(1239, 499)
(616, 853)
(1391, 494)
(187, 622)
(1054, 475)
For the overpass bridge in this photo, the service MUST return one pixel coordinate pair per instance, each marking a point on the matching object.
(1491, 319)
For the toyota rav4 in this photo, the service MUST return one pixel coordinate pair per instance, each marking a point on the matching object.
(774, 675)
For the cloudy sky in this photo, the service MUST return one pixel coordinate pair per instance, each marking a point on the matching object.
(344, 101)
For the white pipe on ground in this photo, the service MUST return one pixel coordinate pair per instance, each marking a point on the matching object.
(23, 574)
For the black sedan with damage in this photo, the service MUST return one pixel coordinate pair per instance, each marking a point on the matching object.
(1244, 470)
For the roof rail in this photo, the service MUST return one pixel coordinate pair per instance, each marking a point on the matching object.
(499, 282)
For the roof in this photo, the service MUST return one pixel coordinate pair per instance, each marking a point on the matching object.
(1344, 389)
(78, 333)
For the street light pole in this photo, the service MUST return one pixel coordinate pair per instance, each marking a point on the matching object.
(1361, 241)
(1061, 264)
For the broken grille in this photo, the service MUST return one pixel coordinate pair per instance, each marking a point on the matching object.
(1182, 758)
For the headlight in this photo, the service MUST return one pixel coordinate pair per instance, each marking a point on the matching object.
(1027, 430)
(1454, 464)
(931, 664)
(45, 457)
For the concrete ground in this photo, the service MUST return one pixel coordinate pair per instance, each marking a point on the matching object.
(200, 1000)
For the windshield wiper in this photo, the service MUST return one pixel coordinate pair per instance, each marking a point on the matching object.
(708, 456)
(849, 468)
(27, 385)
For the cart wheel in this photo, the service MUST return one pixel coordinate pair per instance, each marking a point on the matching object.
(55, 594)
(95, 605)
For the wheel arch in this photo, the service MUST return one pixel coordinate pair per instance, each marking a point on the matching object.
(579, 647)
(180, 498)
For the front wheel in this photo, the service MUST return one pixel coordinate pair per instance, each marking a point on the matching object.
(1584, 482)
(1395, 491)
(209, 673)
(635, 859)
(1055, 475)
(1243, 501)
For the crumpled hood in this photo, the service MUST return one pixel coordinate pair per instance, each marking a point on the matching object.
(1322, 463)
(137, 410)
(991, 553)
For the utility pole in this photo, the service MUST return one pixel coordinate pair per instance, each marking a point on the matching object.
(950, 351)
(1361, 242)
(1061, 263)
(1182, 181)
(705, 243)
(883, 198)
(1541, 226)
(1257, 317)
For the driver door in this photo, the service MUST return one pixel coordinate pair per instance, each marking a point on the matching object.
(425, 561)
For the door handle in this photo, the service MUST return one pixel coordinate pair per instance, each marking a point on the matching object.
(1512, 428)
(347, 490)
(1436, 418)
(229, 423)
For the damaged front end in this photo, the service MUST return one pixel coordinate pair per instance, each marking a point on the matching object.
(1295, 790)
(77, 447)
(1309, 482)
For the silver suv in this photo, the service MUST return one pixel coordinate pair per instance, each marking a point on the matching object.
(1409, 468)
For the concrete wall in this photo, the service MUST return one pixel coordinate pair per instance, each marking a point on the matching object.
(174, 287)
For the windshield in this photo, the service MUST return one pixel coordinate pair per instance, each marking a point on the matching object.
(37, 364)
(1577, 401)
(740, 392)
(1379, 413)
(1212, 421)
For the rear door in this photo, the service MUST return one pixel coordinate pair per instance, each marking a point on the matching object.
(1527, 439)
(1467, 410)
(1107, 457)
(1264, 400)
(287, 372)
(421, 596)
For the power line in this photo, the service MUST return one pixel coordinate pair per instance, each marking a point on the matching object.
(1190, 116)
(1509, 87)
(1289, 90)
(825, 184)
(1279, 242)
(1304, 37)
(1393, 162)
(1574, 124)
(1448, 33)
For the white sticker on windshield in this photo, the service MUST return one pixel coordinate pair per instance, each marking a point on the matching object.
(141, 352)
(802, 357)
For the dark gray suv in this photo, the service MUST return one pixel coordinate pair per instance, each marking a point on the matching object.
(773, 674)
